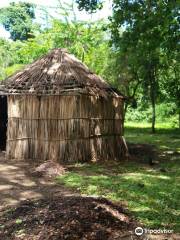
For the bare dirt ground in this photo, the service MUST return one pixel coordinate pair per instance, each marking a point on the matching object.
(35, 208)
(17, 183)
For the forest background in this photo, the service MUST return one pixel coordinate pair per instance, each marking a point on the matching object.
(134, 46)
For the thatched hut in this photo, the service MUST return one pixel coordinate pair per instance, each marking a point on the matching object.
(58, 109)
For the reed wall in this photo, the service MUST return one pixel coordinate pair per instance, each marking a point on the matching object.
(68, 128)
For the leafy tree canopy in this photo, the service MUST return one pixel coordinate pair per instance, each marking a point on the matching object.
(151, 32)
(142, 60)
(17, 19)
(89, 5)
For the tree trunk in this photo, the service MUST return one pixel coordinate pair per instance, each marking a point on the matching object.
(125, 110)
(153, 99)
(133, 95)
(179, 119)
(124, 114)
(153, 115)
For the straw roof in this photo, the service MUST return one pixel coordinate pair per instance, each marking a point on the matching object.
(56, 73)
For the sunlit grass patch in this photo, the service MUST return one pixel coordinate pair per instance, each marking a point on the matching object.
(165, 137)
(151, 195)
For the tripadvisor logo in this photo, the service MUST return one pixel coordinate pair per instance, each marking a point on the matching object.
(140, 231)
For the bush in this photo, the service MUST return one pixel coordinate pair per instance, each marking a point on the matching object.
(164, 112)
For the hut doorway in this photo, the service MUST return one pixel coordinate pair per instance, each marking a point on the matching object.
(3, 122)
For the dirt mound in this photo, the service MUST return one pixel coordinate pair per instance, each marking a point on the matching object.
(67, 217)
(49, 169)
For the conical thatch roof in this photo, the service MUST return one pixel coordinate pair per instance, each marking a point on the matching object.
(56, 73)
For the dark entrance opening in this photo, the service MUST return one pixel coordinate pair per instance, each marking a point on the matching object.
(3, 122)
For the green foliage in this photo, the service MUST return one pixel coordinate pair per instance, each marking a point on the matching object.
(80, 39)
(151, 29)
(171, 79)
(12, 69)
(151, 195)
(166, 111)
(142, 61)
(30, 50)
(89, 5)
(17, 19)
(145, 35)
(5, 57)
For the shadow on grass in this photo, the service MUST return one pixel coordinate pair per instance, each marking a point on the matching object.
(166, 139)
(150, 193)
(152, 196)
(142, 128)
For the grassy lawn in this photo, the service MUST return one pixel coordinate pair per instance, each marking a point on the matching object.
(152, 195)
(166, 138)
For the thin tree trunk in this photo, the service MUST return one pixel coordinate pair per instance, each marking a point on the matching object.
(153, 100)
(133, 95)
(124, 114)
(125, 110)
(153, 115)
(179, 119)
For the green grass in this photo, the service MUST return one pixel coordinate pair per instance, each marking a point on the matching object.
(165, 138)
(150, 194)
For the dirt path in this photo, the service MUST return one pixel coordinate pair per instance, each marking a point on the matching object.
(44, 210)
(59, 214)
(18, 183)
